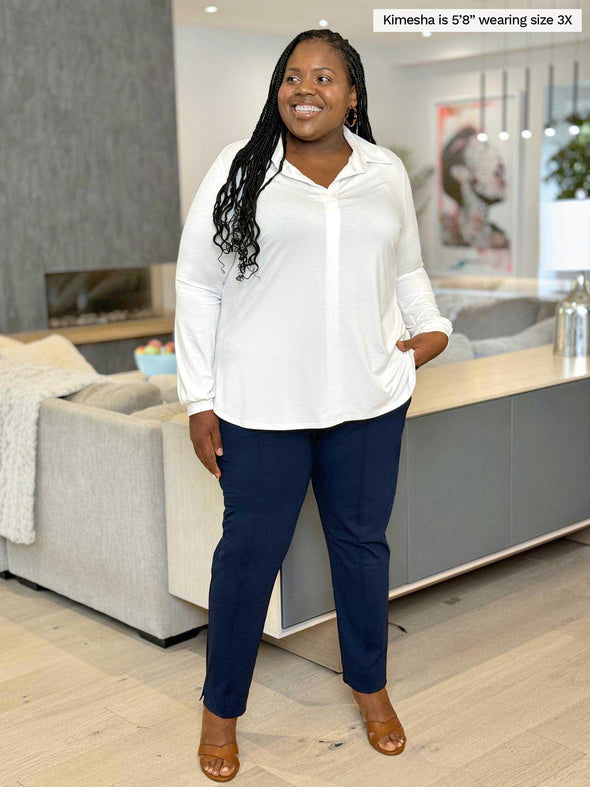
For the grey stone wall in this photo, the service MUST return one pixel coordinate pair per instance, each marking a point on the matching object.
(88, 150)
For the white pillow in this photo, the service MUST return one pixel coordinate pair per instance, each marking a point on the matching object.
(53, 350)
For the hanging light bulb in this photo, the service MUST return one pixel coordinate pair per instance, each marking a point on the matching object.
(503, 134)
(574, 128)
(482, 136)
(526, 133)
(574, 119)
(549, 130)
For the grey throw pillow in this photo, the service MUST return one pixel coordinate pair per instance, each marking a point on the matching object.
(541, 333)
(168, 385)
(121, 398)
(505, 317)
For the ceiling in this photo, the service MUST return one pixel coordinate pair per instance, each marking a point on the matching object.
(354, 20)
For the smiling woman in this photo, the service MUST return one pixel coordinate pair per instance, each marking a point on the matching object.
(312, 101)
(303, 370)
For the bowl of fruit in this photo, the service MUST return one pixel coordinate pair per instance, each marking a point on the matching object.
(155, 358)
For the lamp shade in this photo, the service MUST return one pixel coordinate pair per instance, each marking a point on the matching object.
(564, 238)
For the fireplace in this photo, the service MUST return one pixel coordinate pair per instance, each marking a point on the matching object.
(98, 296)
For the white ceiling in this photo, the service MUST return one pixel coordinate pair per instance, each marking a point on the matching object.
(353, 19)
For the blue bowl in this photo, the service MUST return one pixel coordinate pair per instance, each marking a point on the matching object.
(161, 363)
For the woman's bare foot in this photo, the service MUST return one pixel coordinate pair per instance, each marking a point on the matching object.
(377, 707)
(217, 731)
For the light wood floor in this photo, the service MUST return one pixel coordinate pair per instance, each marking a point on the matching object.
(491, 679)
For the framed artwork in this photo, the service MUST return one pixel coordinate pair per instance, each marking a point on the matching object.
(476, 189)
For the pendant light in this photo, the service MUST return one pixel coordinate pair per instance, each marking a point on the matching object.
(526, 132)
(482, 136)
(575, 119)
(504, 131)
(549, 130)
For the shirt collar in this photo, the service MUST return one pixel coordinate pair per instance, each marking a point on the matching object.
(363, 152)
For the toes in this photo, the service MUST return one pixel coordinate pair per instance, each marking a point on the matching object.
(395, 739)
(390, 742)
(217, 766)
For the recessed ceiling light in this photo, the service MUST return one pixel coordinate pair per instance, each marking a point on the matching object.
(323, 23)
(426, 33)
(210, 9)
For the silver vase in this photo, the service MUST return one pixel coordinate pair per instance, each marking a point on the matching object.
(572, 321)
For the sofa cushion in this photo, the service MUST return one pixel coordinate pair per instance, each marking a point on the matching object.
(168, 385)
(134, 376)
(458, 349)
(505, 317)
(451, 303)
(121, 398)
(7, 341)
(161, 412)
(547, 309)
(541, 333)
(53, 350)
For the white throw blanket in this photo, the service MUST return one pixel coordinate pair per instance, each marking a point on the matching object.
(23, 386)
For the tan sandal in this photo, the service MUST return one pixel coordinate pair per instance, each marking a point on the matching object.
(228, 751)
(376, 730)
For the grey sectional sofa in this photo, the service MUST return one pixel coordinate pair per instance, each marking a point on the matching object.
(100, 509)
(491, 326)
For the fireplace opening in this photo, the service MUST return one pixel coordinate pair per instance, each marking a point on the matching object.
(98, 296)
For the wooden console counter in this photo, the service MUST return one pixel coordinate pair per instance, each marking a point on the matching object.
(495, 459)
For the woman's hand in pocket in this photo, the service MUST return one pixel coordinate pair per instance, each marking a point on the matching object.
(206, 439)
(426, 346)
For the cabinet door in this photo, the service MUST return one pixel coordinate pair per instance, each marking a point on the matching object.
(306, 586)
(459, 486)
(397, 530)
(551, 458)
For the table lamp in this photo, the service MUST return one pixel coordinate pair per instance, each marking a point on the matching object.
(565, 246)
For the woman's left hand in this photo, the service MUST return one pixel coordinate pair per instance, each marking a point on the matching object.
(426, 346)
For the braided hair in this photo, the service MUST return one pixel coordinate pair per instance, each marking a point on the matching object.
(239, 199)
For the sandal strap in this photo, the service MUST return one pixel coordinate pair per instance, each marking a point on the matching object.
(226, 752)
(382, 728)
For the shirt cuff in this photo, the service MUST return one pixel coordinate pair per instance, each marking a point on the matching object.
(442, 324)
(199, 407)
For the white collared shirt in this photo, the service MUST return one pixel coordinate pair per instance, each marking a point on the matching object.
(309, 340)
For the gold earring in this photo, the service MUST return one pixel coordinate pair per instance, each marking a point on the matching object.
(350, 125)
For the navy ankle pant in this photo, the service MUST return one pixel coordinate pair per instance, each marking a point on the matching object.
(265, 475)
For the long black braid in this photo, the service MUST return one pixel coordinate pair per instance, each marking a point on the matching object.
(251, 163)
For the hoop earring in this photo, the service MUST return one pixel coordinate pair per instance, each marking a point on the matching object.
(350, 125)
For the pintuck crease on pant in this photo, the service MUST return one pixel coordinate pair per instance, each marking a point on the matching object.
(265, 473)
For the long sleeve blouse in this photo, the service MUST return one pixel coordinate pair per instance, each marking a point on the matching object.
(310, 339)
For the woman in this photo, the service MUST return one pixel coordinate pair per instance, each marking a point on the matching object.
(303, 369)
